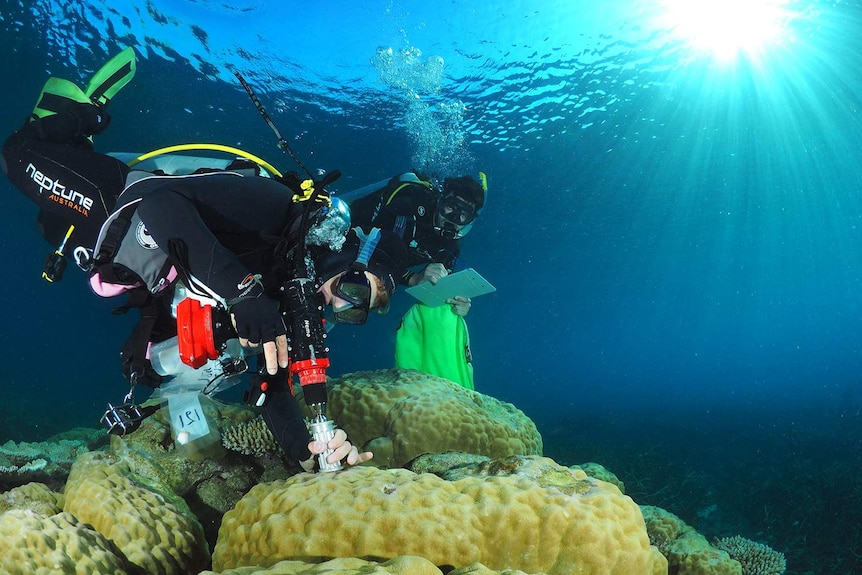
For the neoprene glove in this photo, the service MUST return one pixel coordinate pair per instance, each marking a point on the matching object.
(255, 316)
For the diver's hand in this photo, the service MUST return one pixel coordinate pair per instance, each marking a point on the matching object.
(257, 321)
(432, 273)
(343, 450)
(460, 305)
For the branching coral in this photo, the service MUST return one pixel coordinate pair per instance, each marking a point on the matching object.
(250, 438)
(755, 558)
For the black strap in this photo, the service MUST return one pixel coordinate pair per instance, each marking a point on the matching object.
(179, 254)
(136, 367)
(103, 260)
(56, 103)
(110, 81)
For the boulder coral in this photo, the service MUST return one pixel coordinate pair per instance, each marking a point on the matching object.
(61, 544)
(400, 414)
(687, 551)
(405, 565)
(152, 526)
(402, 565)
(35, 497)
(589, 528)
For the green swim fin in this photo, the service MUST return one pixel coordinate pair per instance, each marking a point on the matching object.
(111, 77)
(58, 95)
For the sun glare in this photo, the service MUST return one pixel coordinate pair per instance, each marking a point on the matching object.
(727, 28)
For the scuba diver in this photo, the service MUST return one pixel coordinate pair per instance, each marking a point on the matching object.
(267, 253)
(431, 222)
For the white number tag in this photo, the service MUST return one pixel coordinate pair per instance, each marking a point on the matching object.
(187, 417)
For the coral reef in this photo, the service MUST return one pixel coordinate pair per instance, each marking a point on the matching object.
(250, 438)
(402, 565)
(46, 461)
(343, 566)
(152, 526)
(560, 518)
(755, 558)
(144, 505)
(35, 497)
(35, 543)
(401, 414)
(584, 525)
(211, 476)
(687, 551)
(128, 497)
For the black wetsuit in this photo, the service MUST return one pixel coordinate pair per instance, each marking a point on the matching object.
(410, 214)
(69, 182)
(229, 224)
(221, 218)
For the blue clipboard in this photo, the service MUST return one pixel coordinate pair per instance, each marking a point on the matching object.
(466, 283)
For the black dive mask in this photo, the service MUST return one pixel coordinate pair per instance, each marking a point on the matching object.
(456, 210)
(454, 217)
(354, 286)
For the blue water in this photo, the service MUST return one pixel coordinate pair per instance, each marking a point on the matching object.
(675, 234)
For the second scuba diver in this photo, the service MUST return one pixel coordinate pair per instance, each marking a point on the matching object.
(431, 221)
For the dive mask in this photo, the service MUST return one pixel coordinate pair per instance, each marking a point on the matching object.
(354, 286)
(454, 216)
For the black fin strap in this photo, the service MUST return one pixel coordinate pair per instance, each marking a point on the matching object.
(109, 82)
